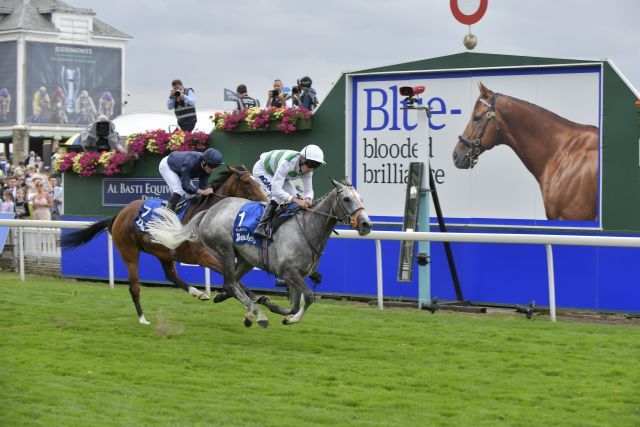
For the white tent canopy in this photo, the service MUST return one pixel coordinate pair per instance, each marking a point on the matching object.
(128, 124)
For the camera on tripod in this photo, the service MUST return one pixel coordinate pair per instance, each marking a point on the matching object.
(102, 134)
(411, 94)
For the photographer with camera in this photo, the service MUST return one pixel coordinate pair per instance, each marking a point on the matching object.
(101, 136)
(244, 100)
(304, 95)
(183, 101)
(277, 97)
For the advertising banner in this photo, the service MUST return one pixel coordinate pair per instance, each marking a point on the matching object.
(508, 147)
(71, 84)
(8, 85)
(120, 191)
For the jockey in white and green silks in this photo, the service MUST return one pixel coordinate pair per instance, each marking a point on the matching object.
(276, 168)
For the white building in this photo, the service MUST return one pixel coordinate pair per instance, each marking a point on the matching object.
(61, 66)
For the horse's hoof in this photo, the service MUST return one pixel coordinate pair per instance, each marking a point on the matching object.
(285, 321)
(263, 323)
(248, 322)
(220, 297)
(263, 299)
(203, 297)
(143, 321)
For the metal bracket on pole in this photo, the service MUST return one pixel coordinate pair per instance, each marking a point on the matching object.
(424, 251)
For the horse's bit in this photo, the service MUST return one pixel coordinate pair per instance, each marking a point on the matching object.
(474, 144)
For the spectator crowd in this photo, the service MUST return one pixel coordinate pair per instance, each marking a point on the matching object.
(30, 191)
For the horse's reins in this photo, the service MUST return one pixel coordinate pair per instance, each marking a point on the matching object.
(348, 218)
(474, 144)
(203, 201)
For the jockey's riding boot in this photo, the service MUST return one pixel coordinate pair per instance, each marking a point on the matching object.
(173, 201)
(269, 211)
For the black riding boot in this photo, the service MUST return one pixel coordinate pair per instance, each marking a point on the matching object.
(269, 211)
(173, 201)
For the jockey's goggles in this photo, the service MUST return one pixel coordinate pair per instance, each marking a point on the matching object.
(312, 164)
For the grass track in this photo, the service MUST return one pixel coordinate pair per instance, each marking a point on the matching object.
(72, 353)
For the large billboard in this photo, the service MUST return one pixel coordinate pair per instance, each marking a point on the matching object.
(72, 84)
(508, 147)
(8, 74)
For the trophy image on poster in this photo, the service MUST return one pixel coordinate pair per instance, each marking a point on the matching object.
(71, 80)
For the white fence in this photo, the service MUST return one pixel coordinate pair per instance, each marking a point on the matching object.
(538, 239)
(40, 242)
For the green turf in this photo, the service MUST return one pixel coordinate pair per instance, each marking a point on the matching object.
(73, 353)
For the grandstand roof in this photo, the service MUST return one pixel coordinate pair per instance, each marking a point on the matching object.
(35, 15)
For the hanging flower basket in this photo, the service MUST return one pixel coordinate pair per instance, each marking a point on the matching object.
(285, 120)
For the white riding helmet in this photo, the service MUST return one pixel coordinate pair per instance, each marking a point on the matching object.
(313, 152)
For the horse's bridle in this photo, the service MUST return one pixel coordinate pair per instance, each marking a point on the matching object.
(474, 144)
(348, 218)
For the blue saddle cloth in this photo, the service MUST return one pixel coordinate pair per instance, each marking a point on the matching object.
(148, 212)
(247, 220)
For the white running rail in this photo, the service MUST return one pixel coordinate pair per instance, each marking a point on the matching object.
(535, 239)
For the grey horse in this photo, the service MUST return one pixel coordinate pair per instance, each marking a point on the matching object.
(293, 254)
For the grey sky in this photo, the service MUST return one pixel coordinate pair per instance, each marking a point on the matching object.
(213, 44)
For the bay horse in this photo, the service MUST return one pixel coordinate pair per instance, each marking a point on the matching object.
(292, 255)
(560, 154)
(236, 182)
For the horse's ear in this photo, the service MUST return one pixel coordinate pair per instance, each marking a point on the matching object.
(335, 183)
(484, 92)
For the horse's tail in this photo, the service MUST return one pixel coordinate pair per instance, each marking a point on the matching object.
(165, 228)
(85, 235)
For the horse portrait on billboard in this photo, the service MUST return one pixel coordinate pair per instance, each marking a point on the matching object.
(560, 154)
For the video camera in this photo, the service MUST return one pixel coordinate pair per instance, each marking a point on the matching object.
(411, 93)
(102, 134)
(102, 129)
(411, 97)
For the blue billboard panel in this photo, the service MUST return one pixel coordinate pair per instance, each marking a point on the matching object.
(121, 191)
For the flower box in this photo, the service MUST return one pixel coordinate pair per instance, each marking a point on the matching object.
(301, 124)
(111, 163)
(285, 120)
(124, 168)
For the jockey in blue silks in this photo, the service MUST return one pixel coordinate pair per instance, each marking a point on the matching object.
(276, 169)
(180, 168)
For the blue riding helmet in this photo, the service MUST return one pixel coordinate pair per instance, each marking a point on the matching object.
(212, 157)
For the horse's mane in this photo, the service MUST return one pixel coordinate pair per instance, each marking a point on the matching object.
(324, 196)
(206, 202)
(542, 110)
(224, 175)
